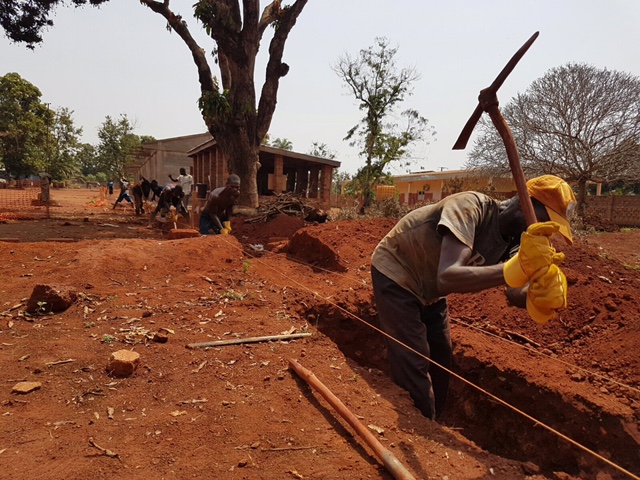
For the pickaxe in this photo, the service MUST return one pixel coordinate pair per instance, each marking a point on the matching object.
(488, 102)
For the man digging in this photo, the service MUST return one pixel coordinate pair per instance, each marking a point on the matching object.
(466, 242)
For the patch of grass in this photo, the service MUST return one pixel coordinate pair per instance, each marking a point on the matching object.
(246, 266)
(41, 310)
(106, 338)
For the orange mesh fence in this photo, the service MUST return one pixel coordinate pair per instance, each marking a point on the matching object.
(22, 202)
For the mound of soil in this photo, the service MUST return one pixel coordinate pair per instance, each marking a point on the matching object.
(239, 411)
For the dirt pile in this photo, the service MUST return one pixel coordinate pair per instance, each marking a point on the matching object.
(584, 361)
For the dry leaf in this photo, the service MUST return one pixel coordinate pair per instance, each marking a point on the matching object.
(378, 430)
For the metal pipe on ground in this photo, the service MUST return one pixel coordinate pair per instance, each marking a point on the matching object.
(391, 463)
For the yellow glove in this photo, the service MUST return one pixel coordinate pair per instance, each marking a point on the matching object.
(535, 253)
(547, 293)
(224, 231)
(227, 226)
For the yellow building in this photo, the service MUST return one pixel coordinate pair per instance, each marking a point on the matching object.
(414, 188)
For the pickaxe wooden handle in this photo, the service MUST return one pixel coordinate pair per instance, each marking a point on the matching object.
(488, 102)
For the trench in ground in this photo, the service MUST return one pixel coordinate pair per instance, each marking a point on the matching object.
(494, 427)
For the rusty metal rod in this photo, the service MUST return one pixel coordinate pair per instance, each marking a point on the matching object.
(391, 463)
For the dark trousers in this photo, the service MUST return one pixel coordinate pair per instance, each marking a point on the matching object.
(123, 196)
(207, 225)
(424, 329)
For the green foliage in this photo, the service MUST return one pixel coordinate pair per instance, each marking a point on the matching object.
(379, 89)
(283, 143)
(365, 181)
(24, 126)
(214, 105)
(24, 21)
(246, 266)
(34, 138)
(117, 147)
(42, 308)
(338, 179)
(62, 161)
(87, 157)
(322, 150)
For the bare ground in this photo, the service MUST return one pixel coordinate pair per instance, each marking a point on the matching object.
(239, 411)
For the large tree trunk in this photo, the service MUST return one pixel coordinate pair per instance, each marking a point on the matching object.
(230, 112)
(242, 156)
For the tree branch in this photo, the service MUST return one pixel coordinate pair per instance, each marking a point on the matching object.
(207, 82)
(275, 68)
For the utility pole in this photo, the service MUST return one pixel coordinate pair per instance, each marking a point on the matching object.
(45, 190)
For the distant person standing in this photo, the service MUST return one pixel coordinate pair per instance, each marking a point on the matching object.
(124, 192)
(184, 180)
(110, 187)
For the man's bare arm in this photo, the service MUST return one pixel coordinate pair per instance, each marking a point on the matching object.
(455, 276)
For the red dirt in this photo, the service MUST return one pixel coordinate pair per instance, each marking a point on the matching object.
(238, 411)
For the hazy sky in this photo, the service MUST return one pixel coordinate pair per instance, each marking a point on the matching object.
(120, 59)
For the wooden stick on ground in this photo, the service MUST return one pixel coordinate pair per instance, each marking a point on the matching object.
(390, 462)
(236, 341)
(59, 362)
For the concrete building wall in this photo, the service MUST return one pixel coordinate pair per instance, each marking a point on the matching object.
(165, 157)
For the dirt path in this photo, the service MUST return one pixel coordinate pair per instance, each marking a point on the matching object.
(239, 412)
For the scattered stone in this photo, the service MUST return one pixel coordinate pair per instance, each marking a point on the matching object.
(160, 338)
(50, 298)
(530, 468)
(26, 387)
(577, 377)
(123, 363)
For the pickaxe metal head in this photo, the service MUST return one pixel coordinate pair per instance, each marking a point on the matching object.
(488, 102)
(491, 91)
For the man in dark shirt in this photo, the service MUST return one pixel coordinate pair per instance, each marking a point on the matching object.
(170, 197)
(216, 214)
(456, 246)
